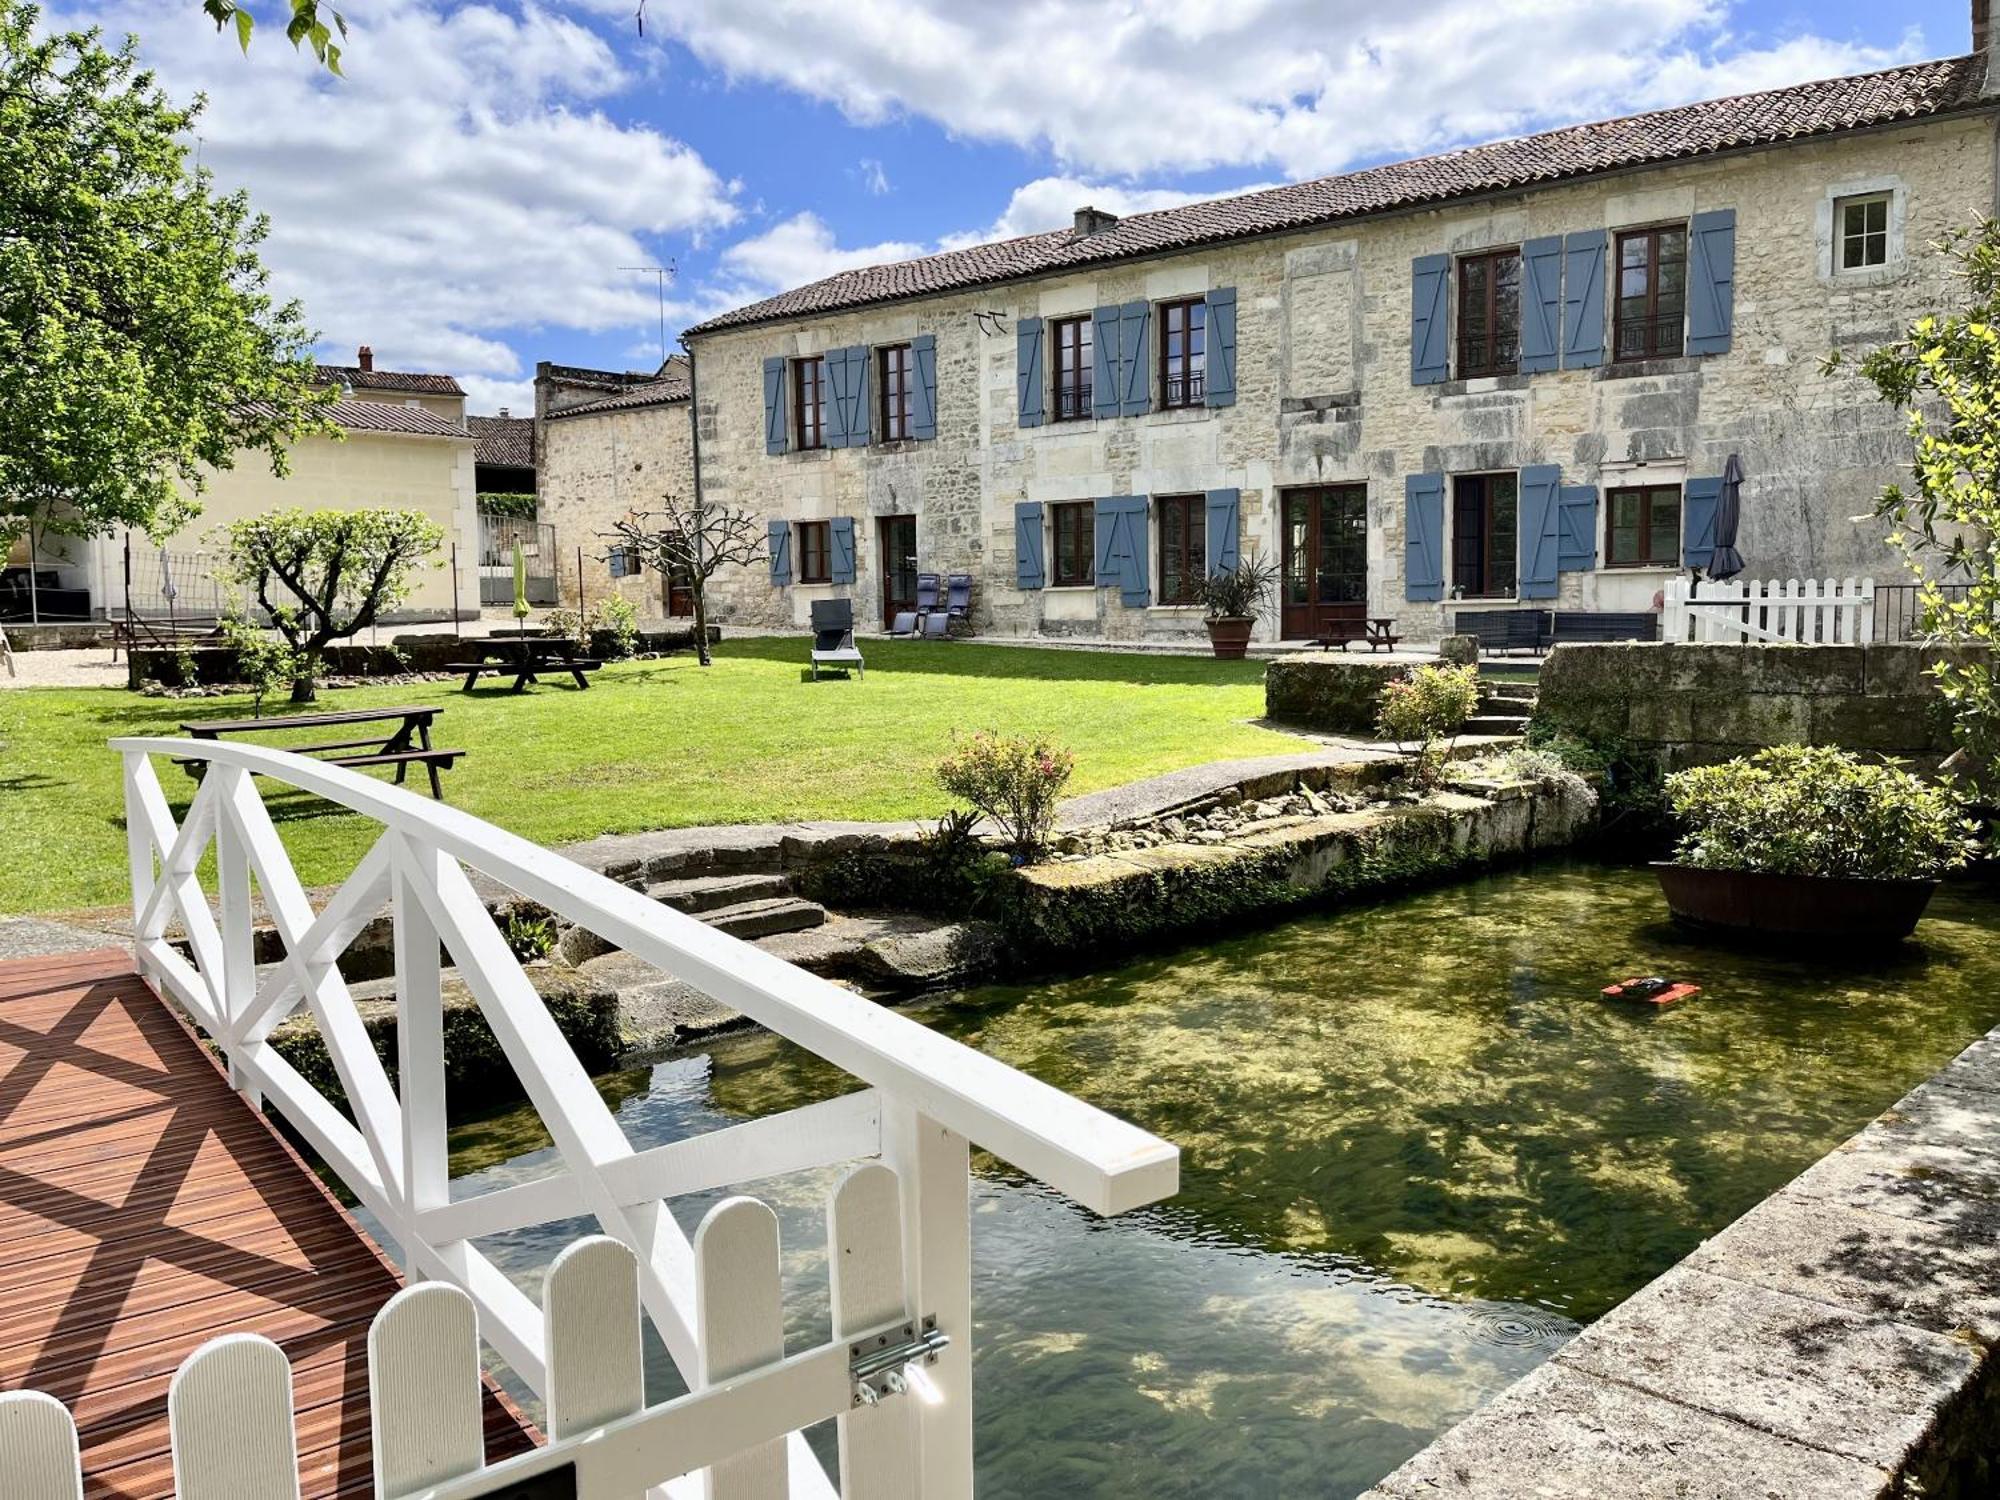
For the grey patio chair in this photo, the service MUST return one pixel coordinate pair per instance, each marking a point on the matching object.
(904, 624)
(833, 636)
(958, 595)
(935, 625)
(927, 593)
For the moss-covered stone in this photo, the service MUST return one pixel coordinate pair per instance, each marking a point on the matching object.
(1336, 694)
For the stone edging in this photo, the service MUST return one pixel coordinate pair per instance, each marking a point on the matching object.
(1833, 1342)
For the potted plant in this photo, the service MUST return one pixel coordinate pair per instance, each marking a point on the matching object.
(1231, 599)
(1810, 842)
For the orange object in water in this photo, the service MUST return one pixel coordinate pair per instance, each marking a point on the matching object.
(1651, 991)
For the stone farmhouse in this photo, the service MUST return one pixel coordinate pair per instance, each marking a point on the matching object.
(1508, 373)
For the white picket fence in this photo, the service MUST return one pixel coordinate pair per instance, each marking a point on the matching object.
(1811, 611)
(900, 1234)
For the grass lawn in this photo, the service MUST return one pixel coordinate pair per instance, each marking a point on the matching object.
(655, 744)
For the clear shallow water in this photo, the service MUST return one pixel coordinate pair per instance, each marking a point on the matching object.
(1418, 1152)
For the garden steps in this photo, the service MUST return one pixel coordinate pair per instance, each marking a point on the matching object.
(698, 894)
(766, 918)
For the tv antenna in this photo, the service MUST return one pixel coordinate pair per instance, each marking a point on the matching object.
(661, 276)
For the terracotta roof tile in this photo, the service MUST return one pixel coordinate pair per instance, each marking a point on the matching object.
(504, 442)
(386, 416)
(413, 381)
(674, 387)
(1745, 120)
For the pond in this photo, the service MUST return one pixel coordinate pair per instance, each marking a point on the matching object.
(1419, 1152)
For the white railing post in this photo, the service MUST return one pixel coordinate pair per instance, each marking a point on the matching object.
(239, 956)
(139, 845)
(933, 1165)
(1864, 614)
(420, 1077)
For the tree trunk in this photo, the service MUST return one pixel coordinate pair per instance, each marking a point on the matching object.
(303, 690)
(700, 622)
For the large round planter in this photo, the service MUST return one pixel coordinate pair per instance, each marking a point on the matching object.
(1796, 908)
(1230, 638)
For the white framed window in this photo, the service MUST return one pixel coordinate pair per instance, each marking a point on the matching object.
(1858, 231)
(1861, 231)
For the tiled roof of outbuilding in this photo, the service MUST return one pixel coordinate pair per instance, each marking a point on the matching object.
(504, 442)
(389, 416)
(671, 387)
(416, 382)
(1717, 125)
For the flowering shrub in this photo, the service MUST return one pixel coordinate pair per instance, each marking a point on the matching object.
(1423, 707)
(1815, 810)
(1013, 781)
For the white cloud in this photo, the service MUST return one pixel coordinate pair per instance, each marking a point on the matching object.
(1051, 203)
(1132, 87)
(872, 176)
(462, 178)
(793, 252)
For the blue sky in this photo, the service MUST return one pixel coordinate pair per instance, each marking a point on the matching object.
(465, 198)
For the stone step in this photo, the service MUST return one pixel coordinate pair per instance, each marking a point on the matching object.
(1507, 692)
(696, 894)
(1496, 724)
(756, 919)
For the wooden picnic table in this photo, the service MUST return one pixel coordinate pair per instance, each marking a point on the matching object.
(408, 744)
(525, 656)
(1377, 633)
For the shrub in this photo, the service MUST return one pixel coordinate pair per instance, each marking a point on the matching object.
(1013, 781)
(1815, 810)
(616, 618)
(508, 504)
(263, 662)
(1425, 706)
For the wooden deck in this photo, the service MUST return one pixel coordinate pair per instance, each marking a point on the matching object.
(144, 1209)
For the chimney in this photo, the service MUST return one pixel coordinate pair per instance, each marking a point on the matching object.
(504, 413)
(366, 358)
(1091, 221)
(1983, 43)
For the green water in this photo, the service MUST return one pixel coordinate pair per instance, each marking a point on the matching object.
(1418, 1152)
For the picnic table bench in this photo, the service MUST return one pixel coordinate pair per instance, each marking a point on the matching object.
(408, 744)
(524, 655)
(1377, 633)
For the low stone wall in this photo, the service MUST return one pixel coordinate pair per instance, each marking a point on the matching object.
(1336, 694)
(1834, 1342)
(78, 636)
(405, 653)
(1693, 704)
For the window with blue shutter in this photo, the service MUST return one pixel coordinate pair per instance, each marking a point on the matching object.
(1030, 569)
(1423, 538)
(1135, 351)
(840, 535)
(1121, 548)
(860, 410)
(1576, 528)
(1430, 319)
(1711, 281)
(923, 392)
(1539, 534)
(1029, 384)
(839, 408)
(779, 537)
(1541, 305)
(1107, 362)
(1224, 531)
(1219, 388)
(774, 404)
(1583, 300)
(1698, 502)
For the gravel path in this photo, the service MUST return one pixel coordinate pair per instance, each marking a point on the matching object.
(88, 668)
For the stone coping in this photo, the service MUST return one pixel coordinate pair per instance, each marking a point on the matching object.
(1825, 1345)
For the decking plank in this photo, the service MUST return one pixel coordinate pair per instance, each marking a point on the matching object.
(147, 1208)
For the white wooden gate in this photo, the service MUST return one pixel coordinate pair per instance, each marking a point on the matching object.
(901, 1234)
(1810, 612)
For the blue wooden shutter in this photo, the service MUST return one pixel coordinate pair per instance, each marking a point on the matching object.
(1423, 538)
(1136, 584)
(1712, 281)
(1541, 304)
(1538, 531)
(1219, 387)
(838, 408)
(1430, 319)
(1120, 524)
(1698, 501)
(1107, 364)
(780, 534)
(840, 539)
(1135, 352)
(774, 405)
(860, 410)
(1106, 563)
(1583, 300)
(1029, 383)
(1029, 570)
(1576, 528)
(923, 395)
(1224, 531)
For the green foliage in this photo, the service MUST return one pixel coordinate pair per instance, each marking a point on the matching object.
(325, 575)
(1815, 810)
(1945, 374)
(1424, 706)
(613, 618)
(530, 931)
(264, 663)
(1631, 785)
(303, 28)
(185, 669)
(1014, 780)
(1239, 593)
(138, 346)
(508, 504)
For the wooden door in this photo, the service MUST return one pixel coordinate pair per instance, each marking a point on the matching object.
(1325, 559)
(898, 538)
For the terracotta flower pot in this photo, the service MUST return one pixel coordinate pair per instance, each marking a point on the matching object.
(1796, 908)
(1230, 637)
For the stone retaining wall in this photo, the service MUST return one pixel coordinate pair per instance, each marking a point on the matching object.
(78, 636)
(1338, 695)
(1693, 704)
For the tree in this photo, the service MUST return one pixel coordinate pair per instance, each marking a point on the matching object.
(138, 346)
(325, 575)
(303, 29)
(1945, 374)
(687, 543)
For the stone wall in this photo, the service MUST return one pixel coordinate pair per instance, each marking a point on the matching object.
(1692, 704)
(1324, 393)
(1321, 692)
(596, 468)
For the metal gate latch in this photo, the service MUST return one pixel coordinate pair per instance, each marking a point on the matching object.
(892, 1362)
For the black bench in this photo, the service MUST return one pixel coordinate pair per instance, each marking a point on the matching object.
(130, 632)
(1605, 625)
(525, 660)
(1504, 629)
(409, 744)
